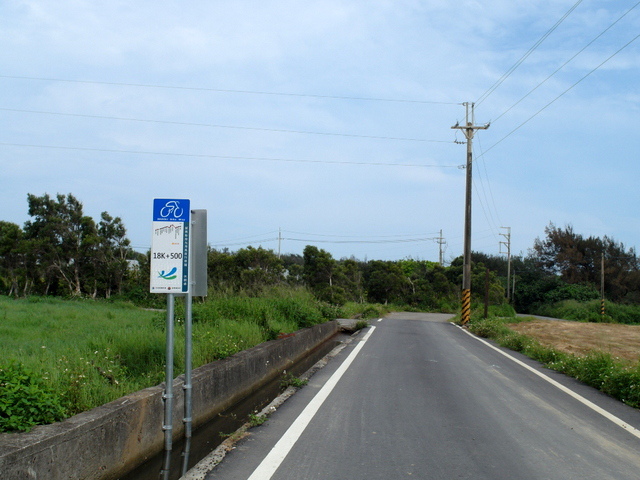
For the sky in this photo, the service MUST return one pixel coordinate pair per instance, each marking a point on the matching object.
(328, 122)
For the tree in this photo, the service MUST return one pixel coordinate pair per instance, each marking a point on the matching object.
(351, 279)
(568, 254)
(61, 238)
(249, 269)
(322, 275)
(293, 268)
(435, 289)
(112, 254)
(577, 260)
(221, 270)
(11, 256)
(385, 282)
(258, 268)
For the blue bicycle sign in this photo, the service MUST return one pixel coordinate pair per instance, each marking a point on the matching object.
(170, 246)
(170, 210)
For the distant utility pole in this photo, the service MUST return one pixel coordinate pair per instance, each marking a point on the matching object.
(507, 243)
(279, 240)
(441, 241)
(602, 286)
(469, 131)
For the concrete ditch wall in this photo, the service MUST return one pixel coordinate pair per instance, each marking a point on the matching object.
(110, 440)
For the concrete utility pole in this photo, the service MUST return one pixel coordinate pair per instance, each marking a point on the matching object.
(507, 243)
(469, 131)
(602, 286)
(441, 241)
(279, 240)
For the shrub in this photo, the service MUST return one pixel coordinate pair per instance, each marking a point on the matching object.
(25, 401)
(629, 314)
(515, 341)
(566, 291)
(590, 311)
(489, 328)
(503, 310)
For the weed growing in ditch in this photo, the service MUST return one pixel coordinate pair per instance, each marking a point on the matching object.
(360, 324)
(256, 419)
(290, 380)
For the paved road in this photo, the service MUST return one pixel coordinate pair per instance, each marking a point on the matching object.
(421, 398)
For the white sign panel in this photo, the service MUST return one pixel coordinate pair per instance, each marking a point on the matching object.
(170, 246)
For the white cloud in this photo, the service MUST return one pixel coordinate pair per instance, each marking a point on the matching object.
(572, 161)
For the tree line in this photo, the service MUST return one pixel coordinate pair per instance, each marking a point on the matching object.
(417, 283)
(61, 251)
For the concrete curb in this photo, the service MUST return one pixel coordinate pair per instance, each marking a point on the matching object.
(110, 440)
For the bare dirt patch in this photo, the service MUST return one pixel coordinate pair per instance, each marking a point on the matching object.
(622, 341)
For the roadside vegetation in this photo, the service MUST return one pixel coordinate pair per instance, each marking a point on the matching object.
(79, 327)
(599, 369)
(61, 357)
(590, 311)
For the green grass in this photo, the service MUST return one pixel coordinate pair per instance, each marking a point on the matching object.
(86, 353)
(598, 369)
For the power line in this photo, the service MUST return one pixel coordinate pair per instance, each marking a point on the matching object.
(563, 93)
(227, 90)
(358, 236)
(245, 238)
(229, 157)
(565, 63)
(372, 239)
(235, 244)
(492, 88)
(408, 240)
(486, 174)
(213, 125)
(488, 215)
(490, 222)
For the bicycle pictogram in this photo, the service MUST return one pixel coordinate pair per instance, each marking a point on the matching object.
(171, 209)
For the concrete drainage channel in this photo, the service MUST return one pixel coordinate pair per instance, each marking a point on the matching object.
(212, 440)
(208, 463)
(112, 440)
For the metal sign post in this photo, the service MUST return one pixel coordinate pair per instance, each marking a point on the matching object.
(197, 287)
(167, 396)
(169, 274)
(178, 266)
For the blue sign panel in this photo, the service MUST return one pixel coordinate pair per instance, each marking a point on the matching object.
(171, 210)
(170, 246)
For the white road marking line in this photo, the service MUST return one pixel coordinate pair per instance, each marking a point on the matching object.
(379, 320)
(609, 416)
(272, 461)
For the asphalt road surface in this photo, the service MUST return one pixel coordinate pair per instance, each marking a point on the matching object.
(414, 396)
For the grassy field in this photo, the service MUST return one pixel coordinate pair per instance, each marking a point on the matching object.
(67, 356)
(85, 353)
(604, 356)
(622, 342)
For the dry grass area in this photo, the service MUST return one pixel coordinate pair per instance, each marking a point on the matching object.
(622, 341)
